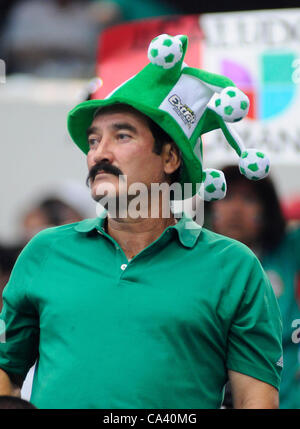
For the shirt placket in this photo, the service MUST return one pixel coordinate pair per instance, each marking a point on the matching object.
(123, 263)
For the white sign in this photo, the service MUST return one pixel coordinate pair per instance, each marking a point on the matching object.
(260, 52)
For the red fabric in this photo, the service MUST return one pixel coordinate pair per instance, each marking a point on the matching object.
(291, 208)
(122, 49)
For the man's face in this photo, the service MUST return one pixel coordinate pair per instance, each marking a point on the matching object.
(239, 215)
(122, 143)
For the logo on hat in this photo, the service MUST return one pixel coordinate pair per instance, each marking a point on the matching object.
(184, 111)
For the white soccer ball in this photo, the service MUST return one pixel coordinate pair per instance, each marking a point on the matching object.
(165, 51)
(231, 104)
(214, 184)
(254, 164)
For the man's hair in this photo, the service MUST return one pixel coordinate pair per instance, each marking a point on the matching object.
(160, 136)
(273, 221)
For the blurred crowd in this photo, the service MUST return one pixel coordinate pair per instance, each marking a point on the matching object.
(58, 38)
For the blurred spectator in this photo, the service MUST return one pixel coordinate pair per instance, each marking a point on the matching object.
(53, 38)
(49, 212)
(8, 256)
(109, 10)
(14, 403)
(58, 38)
(251, 213)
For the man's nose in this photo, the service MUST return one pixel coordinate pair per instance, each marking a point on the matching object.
(104, 151)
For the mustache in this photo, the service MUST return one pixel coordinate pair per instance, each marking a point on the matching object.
(105, 167)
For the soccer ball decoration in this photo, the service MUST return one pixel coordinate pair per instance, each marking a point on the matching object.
(214, 184)
(231, 104)
(254, 164)
(165, 51)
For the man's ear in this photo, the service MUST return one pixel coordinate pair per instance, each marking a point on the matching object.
(171, 157)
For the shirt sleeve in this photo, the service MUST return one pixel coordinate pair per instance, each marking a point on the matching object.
(255, 336)
(19, 320)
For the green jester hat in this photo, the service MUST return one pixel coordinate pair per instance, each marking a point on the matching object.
(185, 102)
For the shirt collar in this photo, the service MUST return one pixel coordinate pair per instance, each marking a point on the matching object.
(188, 231)
(88, 225)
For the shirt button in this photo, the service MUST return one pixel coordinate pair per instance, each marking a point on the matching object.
(123, 267)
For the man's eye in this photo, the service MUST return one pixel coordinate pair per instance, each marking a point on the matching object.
(123, 136)
(92, 142)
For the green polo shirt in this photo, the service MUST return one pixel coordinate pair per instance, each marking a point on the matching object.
(160, 331)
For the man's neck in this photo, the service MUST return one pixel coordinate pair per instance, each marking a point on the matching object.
(134, 235)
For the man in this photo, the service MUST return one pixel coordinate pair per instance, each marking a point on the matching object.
(133, 311)
(251, 213)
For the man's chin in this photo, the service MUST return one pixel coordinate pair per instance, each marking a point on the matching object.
(108, 197)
